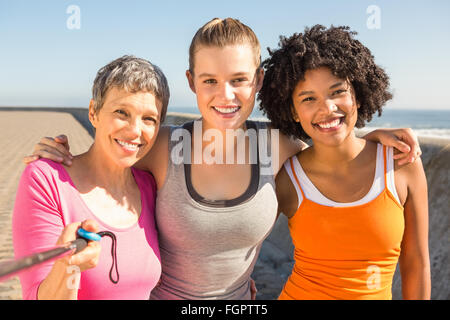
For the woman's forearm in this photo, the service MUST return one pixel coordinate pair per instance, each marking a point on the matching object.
(61, 283)
(416, 284)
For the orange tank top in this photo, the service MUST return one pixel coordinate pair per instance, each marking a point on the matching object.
(345, 252)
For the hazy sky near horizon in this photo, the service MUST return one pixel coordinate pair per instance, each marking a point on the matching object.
(46, 60)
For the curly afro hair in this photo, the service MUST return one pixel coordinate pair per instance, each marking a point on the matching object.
(318, 46)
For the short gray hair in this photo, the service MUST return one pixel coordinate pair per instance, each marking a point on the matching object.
(134, 75)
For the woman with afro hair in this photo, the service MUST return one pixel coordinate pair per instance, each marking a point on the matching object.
(353, 213)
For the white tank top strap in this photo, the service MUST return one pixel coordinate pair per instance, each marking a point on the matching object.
(306, 189)
(389, 175)
(294, 178)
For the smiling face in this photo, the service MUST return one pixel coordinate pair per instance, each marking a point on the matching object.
(225, 81)
(126, 125)
(325, 106)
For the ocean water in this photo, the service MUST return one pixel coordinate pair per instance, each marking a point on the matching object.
(425, 123)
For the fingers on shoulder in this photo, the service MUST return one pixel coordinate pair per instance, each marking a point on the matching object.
(29, 159)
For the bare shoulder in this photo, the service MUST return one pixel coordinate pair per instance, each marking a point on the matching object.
(410, 179)
(286, 194)
(411, 171)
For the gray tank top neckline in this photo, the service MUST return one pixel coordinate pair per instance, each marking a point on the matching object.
(245, 197)
(210, 252)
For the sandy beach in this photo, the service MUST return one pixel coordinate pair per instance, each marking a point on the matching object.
(20, 129)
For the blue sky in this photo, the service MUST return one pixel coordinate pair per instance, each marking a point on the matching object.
(44, 63)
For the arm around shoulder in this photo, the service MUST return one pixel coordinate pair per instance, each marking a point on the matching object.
(286, 147)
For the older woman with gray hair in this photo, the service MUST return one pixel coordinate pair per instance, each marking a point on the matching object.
(99, 191)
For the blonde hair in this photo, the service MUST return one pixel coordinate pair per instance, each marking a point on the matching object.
(223, 32)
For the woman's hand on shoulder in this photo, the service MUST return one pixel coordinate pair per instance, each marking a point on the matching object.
(404, 140)
(56, 149)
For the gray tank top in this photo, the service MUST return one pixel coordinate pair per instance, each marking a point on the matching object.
(209, 248)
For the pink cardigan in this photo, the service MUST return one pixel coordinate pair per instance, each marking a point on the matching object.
(47, 201)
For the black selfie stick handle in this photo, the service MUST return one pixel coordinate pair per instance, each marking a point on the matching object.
(7, 269)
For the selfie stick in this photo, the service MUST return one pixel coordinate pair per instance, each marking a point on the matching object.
(9, 268)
